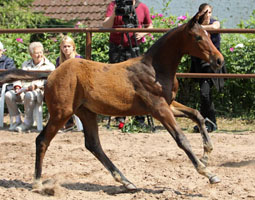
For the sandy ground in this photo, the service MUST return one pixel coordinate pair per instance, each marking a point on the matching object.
(153, 162)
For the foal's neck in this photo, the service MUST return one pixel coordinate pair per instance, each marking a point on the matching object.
(165, 55)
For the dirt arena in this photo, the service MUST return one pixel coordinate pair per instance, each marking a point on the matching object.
(153, 162)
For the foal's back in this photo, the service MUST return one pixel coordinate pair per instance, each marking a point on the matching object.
(103, 88)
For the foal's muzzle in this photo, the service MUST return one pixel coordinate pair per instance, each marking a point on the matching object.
(217, 62)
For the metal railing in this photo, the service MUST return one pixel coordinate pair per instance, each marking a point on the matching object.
(89, 32)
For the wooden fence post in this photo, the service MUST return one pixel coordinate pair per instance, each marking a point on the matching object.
(88, 45)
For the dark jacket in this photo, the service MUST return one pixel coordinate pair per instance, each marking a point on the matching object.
(6, 63)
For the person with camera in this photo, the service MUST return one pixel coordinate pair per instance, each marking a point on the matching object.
(126, 14)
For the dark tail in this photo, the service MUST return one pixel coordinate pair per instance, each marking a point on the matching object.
(19, 74)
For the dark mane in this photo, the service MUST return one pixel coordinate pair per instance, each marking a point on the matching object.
(160, 41)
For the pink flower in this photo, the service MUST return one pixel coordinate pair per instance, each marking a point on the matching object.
(153, 17)
(231, 49)
(172, 22)
(143, 39)
(182, 17)
(19, 40)
(160, 15)
(78, 23)
(151, 36)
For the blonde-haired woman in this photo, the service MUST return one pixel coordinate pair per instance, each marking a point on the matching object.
(67, 50)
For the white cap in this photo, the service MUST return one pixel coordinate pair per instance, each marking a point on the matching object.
(1, 46)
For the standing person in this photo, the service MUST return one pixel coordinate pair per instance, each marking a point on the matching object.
(67, 51)
(28, 92)
(126, 45)
(200, 66)
(5, 63)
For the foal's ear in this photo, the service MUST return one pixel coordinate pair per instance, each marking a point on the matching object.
(198, 18)
(202, 17)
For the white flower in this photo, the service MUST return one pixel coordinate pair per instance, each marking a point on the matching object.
(239, 45)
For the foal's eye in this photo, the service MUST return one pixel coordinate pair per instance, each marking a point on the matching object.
(198, 37)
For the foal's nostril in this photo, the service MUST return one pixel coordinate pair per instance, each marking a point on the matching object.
(219, 62)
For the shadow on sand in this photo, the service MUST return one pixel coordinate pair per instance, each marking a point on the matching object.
(238, 164)
(113, 190)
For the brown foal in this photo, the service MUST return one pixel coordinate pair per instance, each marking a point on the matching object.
(146, 85)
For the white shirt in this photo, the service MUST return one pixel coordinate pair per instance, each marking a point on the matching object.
(45, 64)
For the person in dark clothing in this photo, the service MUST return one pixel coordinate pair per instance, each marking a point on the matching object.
(5, 63)
(207, 109)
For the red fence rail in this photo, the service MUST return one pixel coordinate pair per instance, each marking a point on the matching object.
(89, 32)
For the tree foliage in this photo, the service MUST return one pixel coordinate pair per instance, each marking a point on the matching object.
(17, 14)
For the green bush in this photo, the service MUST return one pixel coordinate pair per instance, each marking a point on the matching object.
(238, 49)
(239, 54)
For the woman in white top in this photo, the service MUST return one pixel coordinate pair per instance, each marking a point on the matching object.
(28, 92)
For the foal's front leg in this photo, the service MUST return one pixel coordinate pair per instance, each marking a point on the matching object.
(92, 143)
(180, 110)
(163, 113)
(42, 143)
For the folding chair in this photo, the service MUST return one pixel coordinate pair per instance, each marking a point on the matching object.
(2, 104)
(78, 123)
(37, 112)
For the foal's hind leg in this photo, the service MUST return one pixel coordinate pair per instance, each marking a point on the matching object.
(92, 143)
(163, 113)
(180, 110)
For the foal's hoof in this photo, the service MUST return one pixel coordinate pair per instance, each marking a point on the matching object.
(214, 180)
(130, 187)
(37, 186)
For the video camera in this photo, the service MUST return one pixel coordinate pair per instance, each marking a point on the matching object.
(123, 7)
(126, 9)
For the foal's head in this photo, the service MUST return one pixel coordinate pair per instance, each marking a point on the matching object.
(198, 42)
